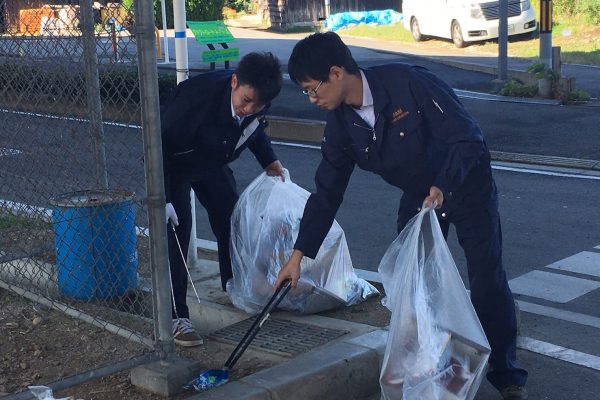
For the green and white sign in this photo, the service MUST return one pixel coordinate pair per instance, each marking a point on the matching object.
(210, 32)
(222, 55)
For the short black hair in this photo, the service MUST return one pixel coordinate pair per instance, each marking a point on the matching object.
(313, 57)
(262, 71)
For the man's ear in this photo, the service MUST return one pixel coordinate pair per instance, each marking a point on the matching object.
(234, 81)
(336, 73)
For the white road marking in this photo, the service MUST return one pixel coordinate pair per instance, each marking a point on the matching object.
(557, 313)
(546, 172)
(9, 152)
(586, 262)
(68, 118)
(559, 352)
(554, 287)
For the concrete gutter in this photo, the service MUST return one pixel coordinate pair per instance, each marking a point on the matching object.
(347, 369)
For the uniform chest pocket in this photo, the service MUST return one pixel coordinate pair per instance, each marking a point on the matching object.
(405, 145)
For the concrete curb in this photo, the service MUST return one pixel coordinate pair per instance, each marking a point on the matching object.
(311, 131)
(348, 369)
(344, 368)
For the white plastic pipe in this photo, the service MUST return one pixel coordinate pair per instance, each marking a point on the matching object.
(183, 72)
(181, 51)
(165, 31)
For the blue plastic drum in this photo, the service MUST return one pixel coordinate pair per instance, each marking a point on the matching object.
(95, 238)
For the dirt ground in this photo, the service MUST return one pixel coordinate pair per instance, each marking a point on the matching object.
(39, 345)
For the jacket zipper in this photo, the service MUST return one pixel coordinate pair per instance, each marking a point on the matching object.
(368, 128)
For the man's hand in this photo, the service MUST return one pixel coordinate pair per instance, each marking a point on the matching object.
(436, 197)
(275, 169)
(171, 214)
(291, 270)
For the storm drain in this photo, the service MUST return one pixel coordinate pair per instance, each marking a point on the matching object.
(280, 336)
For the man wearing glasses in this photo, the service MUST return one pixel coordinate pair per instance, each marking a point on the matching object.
(404, 124)
(207, 122)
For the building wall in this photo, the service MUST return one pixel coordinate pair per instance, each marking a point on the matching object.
(10, 18)
(285, 13)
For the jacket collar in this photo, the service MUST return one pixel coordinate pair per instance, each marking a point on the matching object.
(380, 95)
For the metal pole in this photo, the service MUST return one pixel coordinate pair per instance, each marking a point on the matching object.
(503, 41)
(153, 168)
(165, 30)
(92, 82)
(87, 376)
(181, 51)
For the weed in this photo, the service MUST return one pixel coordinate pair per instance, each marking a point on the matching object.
(514, 88)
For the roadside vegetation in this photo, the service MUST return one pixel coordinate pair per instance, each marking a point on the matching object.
(576, 29)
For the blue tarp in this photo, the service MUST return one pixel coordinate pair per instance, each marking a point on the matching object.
(380, 17)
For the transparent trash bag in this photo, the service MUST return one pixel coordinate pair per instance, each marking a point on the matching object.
(264, 228)
(436, 347)
(45, 393)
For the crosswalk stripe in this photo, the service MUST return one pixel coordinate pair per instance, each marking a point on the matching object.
(549, 286)
(585, 262)
(559, 352)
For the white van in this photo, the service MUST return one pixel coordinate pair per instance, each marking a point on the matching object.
(465, 20)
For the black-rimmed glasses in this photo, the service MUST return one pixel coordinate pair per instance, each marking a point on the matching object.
(312, 92)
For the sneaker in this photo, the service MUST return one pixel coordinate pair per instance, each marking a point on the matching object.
(184, 333)
(514, 392)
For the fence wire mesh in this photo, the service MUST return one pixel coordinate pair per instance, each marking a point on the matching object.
(73, 223)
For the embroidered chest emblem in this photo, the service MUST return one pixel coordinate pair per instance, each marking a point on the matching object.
(399, 114)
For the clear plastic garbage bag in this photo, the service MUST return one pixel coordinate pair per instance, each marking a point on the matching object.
(45, 393)
(436, 347)
(264, 228)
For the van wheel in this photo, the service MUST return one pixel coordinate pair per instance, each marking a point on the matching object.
(414, 29)
(457, 36)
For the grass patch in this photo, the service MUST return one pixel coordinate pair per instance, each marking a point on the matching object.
(392, 32)
(12, 222)
(579, 41)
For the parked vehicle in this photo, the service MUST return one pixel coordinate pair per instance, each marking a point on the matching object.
(465, 20)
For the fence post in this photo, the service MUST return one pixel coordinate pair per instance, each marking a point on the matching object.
(92, 83)
(153, 168)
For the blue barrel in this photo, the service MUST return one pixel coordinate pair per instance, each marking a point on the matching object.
(95, 238)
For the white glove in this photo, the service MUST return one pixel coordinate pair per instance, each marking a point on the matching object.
(171, 214)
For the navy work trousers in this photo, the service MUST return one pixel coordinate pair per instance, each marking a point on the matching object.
(479, 234)
(216, 191)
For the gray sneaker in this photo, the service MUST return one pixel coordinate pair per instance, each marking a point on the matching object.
(184, 333)
(514, 392)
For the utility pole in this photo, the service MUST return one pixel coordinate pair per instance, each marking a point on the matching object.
(546, 32)
(503, 41)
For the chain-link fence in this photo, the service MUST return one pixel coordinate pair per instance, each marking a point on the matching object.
(73, 216)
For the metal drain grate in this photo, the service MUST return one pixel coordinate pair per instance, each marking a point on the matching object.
(280, 336)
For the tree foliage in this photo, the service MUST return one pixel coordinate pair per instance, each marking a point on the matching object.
(196, 10)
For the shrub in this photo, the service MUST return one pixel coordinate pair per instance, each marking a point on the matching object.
(540, 71)
(31, 84)
(514, 88)
(578, 95)
(248, 6)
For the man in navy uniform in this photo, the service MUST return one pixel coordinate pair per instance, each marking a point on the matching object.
(207, 122)
(404, 124)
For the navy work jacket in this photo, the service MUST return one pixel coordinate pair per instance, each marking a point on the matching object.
(199, 133)
(422, 137)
